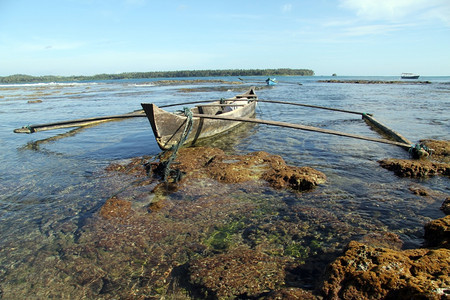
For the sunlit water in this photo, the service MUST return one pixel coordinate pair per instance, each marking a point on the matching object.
(55, 178)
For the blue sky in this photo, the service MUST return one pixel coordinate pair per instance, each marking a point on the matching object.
(347, 37)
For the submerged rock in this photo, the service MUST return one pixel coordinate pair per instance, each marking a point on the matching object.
(290, 293)
(115, 208)
(203, 238)
(365, 272)
(241, 272)
(382, 239)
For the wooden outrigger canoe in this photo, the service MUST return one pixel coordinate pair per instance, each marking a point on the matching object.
(207, 120)
(169, 128)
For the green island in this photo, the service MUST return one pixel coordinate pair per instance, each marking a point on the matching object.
(21, 78)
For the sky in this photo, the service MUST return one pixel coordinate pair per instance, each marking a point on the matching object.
(346, 37)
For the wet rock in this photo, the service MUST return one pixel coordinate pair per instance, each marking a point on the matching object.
(437, 233)
(34, 101)
(438, 163)
(241, 272)
(446, 206)
(296, 178)
(115, 208)
(214, 163)
(365, 272)
(440, 150)
(415, 168)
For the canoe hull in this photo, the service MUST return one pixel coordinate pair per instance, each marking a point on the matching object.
(271, 81)
(169, 128)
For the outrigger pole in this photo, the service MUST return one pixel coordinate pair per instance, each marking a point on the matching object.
(309, 105)
(140, 113)
(304, 127)
(93, 121)
(399, 139)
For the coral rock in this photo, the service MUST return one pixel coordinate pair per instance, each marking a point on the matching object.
(438, 163)
(214, 163)
(440, 150)
(365, 272)
(446, 206)
(437, 233)
(415, 168)
(297, 178)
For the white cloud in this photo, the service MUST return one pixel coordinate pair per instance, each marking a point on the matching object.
(371, 30)
(286, 8)
(400, 10)
(440, 12)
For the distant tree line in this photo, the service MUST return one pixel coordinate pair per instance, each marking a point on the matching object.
(21, 78)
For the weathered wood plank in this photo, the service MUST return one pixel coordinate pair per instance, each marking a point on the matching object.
(385, 130)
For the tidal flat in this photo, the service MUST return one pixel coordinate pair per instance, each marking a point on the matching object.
(81, 219)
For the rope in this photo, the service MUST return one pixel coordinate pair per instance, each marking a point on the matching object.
(166, 164)
(419, 150)
(174, 148)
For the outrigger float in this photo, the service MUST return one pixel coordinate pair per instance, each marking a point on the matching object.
(214, 117)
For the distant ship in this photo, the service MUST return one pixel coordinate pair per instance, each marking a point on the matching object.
(409, 76)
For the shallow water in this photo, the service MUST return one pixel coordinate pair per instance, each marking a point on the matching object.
(53, 183)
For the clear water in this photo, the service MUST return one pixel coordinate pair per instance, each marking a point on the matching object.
(53, 183)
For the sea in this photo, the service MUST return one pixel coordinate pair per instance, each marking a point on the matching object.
(54, 183)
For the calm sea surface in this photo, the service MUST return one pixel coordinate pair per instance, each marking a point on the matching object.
(53, 183)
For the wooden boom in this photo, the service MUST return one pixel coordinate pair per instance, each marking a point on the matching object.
(304, 127)
(77, 123)
(385, 130)
(312, 106)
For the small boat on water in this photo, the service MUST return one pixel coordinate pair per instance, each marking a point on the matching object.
(409, 76)
(170, 128)
(271, 81)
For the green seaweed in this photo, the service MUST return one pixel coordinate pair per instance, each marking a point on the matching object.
(222, 237)
(296, 250)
